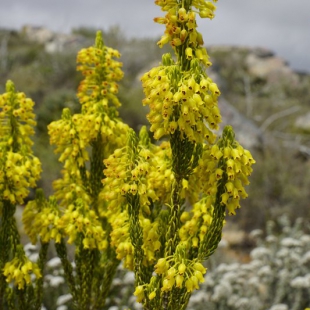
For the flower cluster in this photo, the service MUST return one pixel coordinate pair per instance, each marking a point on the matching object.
(196, 222)
(182, 273)
(101, 72)
(41, 217)
(98, 122)
(137, 169)
(225, 162)
(181, 26)
(151, 236)
(19, 168)
(16, 118)
(19, 270)
(120, 239)
(82, 224)
(175, 272)
(183, 102)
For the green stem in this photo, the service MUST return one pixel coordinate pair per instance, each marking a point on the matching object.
(172, 237)
(39, 282)
(10, 302)
(96, 171)
(68, 270)
(142, 273)
(214, 233)
(103, 287)
(9, 239)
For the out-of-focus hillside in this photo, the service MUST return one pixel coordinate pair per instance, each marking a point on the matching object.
(267, 103)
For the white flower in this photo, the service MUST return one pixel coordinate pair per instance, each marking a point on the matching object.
(264, 271)
(63, 299)
(290, 242)
(54, 262)
(283, 253)
(29, 247)
(305, 239)
(255, 264)
(223, 244)
(279, 307)
(222, 268)
(34, 257)
(300, 282)
(260, 253)
(129, 278)
(306, 258)
(117, 282)
(242, 302)
(271, 239)
(221, 291)
(56, 281)
(256, 233)
(233, 300)
(198, 297)
(230, 276)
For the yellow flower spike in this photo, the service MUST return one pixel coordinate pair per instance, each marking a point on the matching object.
(19, 268)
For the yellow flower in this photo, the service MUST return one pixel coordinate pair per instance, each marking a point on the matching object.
(18, 270)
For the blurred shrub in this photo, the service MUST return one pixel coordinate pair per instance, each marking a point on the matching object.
(277, 278)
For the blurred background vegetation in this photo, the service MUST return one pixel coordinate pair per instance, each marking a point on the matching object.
(261, 88)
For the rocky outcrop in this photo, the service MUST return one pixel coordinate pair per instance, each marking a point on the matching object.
(258, 62)
(54, 42)
(37, 34)
(247, 132)
(303, 122)
(270, 68)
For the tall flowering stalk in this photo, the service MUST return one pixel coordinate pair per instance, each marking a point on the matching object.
(159, 208)
(75, 214)
(19, 171)
(174, 195)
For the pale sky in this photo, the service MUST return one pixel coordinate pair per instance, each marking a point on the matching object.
(280, 25)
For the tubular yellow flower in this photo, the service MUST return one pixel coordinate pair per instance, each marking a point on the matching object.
(19, 269)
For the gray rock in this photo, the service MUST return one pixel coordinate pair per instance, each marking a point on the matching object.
(303, 122)
(247, 133)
